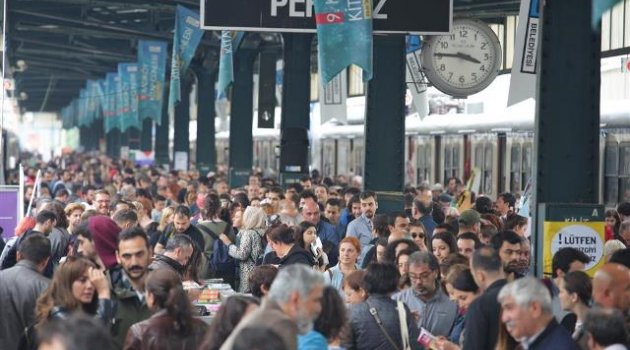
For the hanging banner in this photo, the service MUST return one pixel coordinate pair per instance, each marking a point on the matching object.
(332, 98)
(132, 72)
(124, 108)
(102, 100)
(226, 65)
(416, 82)
(152, 70)
(82, 112)
(185, 42)
(10, 207)
(344, 36)
(266, 90)
(230, 42)
(118, 100)
(524, 63)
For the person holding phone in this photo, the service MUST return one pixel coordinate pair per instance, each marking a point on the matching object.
(307, 238)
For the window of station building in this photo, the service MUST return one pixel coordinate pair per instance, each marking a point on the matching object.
(356, 86)
(624, 172)
(611, 173)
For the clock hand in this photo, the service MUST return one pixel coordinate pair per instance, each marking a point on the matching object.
(461, 55)
(468, 57)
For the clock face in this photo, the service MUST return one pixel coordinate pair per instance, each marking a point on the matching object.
(463, 62)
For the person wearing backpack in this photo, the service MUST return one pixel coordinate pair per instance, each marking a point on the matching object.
(251, 243)
(218, 263)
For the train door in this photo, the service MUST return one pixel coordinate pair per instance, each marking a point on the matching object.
(358, 152)
(343, 157)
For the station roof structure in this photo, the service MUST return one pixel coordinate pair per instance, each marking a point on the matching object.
(54, 46)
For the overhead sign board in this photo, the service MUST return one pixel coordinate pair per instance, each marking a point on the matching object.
(390, 16)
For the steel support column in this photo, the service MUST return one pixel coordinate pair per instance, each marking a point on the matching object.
(206, 147)
(296, 98)
(241, 140)
(146, 142)
(568, 98)
(134, 138)
(162, 156)
(385, 123)
(181, 143)
(115, 143)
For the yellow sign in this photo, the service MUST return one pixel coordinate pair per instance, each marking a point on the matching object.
(587, 237)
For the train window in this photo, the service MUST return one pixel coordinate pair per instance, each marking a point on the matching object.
(624, 172)
(611, 172)
(487, 169)
(423, 163)
(528, 153)
(356, 86)
(515, 168)
(478, 156)
(455, 164)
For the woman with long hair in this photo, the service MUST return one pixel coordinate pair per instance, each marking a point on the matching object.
(78, 286)
(349, 251)
(305, 236)
(575, 296)
(232, 311)
(250, 243)
(613, 221)
(173, 325)
(443, 244)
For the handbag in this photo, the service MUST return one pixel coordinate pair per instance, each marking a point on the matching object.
(404, 329)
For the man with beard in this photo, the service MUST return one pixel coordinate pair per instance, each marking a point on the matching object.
(435, 312)
(102, 199)
(362, 226)
(508, 245)
(292, 305)
(133, 256)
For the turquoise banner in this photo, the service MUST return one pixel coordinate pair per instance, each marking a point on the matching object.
(226, 65)
(128, 73)
(152, 74)
(185, 42)
(344, 36)
(124, 108)
(102, 100)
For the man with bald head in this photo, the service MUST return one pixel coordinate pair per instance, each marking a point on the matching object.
(611, 287)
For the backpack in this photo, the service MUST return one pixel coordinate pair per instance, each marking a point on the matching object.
(261, 257)
(220, 261)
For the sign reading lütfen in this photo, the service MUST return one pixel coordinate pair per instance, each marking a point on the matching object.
(390, 16)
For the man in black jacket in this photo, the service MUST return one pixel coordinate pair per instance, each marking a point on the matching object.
(483, 316)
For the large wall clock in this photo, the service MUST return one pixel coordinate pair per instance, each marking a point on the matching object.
(463, 62)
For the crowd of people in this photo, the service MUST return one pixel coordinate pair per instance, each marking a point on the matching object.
(113, 256)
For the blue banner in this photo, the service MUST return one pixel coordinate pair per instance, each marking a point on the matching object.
(344, 34)
(152, 73)
(185, 42)
(111, 118)
(226, 65)
(124, 108)
(102, 99)
(128, 73)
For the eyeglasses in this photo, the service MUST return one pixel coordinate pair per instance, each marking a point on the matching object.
(422, 276)
(418, 235)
